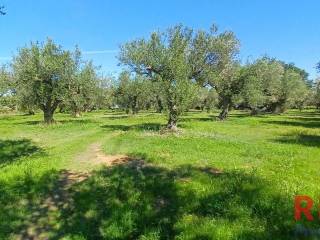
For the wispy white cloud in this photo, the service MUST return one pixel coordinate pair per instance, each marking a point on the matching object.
(100, 52)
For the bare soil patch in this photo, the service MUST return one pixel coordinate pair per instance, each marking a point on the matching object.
(94, 156)
(44, 216)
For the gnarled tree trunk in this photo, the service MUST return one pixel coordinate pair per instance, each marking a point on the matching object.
(279, 107)
(225, 110)
(173, 117)
(48, 116)
(254, 111)
(48, 111)
(134, 105)
(75, 110)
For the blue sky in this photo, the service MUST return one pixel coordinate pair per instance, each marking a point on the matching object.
(288, 30)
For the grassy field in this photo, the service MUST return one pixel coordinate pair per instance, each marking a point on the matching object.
(213, 180)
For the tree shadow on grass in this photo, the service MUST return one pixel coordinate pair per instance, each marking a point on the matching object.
(197, 119)
(121, 202)
(135, 200)
(303, 123)
(57, 122)
(242, 198)
(211, 117)
(13, 150)
(125, 115)
(116, 117)
(300, 139)
(136, 127)
(115, 113)
(20, 201)
(127, 201)
(242, 114)
(306, 118)
(304, 114)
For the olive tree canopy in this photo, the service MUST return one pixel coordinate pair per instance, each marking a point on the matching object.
(41, 73)
(274, 85)
(178, 59)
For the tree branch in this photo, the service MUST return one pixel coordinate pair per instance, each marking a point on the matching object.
(2, 12)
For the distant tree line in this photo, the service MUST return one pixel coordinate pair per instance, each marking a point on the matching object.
(171, 71)
(200, 69)
(45, 77)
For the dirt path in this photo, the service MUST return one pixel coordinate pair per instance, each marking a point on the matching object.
(94, 156)
(43, 219)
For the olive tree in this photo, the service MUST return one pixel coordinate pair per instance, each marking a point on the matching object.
(4, 81)
(289, 90)
(295, 89)
(82, 86)
(105, 92)
(123, 93)
(274, 86)
(252, 91)
(133, 92)
(206, 99)
(180, 57)
(262, 82)
(26, 99)
(228, 86)
(4, 87)
(8, 100)
(164, 58)
(156, 95)
(214, 62)
(42, 72)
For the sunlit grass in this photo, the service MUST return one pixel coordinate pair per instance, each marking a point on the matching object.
(212, 180)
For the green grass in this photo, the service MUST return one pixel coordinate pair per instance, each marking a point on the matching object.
(213, 180)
